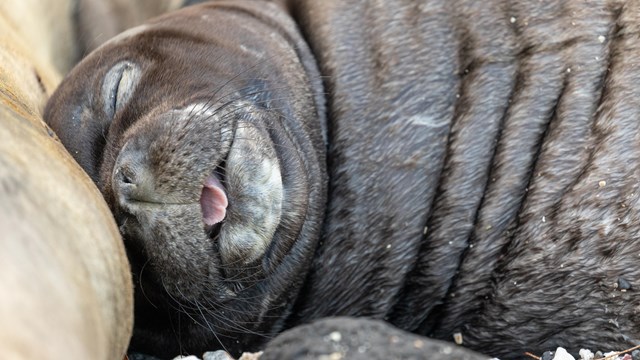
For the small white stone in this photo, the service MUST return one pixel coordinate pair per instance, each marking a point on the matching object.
(335, 336)
(513, 19)
(586, 354)
(602, 183)
(601, 38)
(332, 356)
(216, 355)
(544, 219)
(457, 338)
(562, 354)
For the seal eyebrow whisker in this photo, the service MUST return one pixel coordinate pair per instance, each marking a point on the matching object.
(248, 95)
(275, 88)
(252, 67)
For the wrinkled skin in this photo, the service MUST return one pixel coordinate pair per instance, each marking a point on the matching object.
(475, 169)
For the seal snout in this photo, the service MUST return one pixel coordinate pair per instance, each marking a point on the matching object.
(129, 178)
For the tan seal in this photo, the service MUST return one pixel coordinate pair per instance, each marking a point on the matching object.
(65, 282)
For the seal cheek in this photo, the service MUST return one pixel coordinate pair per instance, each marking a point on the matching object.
(213, 201)
(255, 189)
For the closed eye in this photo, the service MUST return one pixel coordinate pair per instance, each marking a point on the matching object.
(118, 85)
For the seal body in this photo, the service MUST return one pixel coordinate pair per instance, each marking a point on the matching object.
(66, 288)
(474, 170)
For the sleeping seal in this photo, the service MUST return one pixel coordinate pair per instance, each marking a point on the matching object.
(447, 166)
(64, 277)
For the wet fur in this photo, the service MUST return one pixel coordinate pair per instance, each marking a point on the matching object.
(482, 162)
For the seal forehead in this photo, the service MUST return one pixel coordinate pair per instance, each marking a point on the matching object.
(127, 34)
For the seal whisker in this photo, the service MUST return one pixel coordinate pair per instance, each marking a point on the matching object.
(253, 67)
(209, 326)
(141, 283)
(235, 325)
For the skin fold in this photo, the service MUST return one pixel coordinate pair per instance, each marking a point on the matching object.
(447, 166)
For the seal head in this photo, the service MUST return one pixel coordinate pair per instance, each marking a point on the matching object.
(209, 148)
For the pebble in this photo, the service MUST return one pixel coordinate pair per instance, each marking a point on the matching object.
(216, 355)
(457, 338)
(585, 354)
(335, 336)
(332, 356)
(250, 356)
(635, 354)
(623, 284)
(598, 354)
(547, 355)
(611, 353)
(562, 354)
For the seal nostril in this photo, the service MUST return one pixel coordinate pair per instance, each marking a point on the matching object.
(124, 184)
(126, 179)
(124, 176)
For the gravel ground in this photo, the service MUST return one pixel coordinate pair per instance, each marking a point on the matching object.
(558, 354)
(364, 339)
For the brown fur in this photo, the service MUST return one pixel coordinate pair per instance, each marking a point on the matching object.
(481, 162)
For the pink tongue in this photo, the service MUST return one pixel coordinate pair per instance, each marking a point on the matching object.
(213, 201)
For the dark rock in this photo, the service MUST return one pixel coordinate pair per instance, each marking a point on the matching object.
(138, 356)
(360, 339)
(623, 284)
(635, 354)
(547, 355)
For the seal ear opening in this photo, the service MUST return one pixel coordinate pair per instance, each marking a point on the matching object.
(118, 85)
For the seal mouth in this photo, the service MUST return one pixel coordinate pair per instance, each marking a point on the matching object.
(214, 201)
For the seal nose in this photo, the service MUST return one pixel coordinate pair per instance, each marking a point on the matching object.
(124, 183)
(128, 175)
